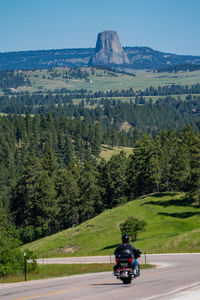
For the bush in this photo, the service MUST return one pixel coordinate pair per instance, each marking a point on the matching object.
(32, 265)
(131, 227)
(11, 261)
(11, 258)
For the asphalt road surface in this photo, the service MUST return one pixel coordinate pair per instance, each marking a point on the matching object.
(177, 277)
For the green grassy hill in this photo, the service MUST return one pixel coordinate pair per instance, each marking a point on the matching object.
(173, 225)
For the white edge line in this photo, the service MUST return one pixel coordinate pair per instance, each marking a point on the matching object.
(173, 292)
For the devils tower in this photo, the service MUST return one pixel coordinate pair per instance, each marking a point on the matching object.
(108, 50)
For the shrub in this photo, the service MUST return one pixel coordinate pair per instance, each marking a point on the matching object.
(11, 258)
(132, 226)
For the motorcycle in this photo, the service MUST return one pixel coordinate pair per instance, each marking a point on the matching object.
(125, 269)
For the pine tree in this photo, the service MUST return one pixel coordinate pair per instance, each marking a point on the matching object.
(167, 144)
(195, 169)
(33, 201)
(154, 170)
(68, 199)
(181, 168)
(90, 193)
(144, 169)
(49, 162)
(95, 139)
(44, 205)
(114, 180)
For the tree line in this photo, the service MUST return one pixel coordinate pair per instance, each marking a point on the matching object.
(178, 68)
(13, 79)
(147, 116)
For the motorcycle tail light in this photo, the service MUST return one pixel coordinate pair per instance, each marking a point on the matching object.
(130, 259)
(124, 269)
(117, 260)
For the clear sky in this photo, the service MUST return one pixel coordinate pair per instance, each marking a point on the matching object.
(164, 25)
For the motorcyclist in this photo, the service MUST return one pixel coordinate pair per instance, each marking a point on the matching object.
(136, 253)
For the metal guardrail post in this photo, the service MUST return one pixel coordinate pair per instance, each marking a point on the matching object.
(25, 266)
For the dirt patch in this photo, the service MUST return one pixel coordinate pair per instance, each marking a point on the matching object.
(68, 249)
(125, 126)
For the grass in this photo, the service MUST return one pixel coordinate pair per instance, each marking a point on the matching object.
(173, 225)
(107, 151)
(60, 270)
(100, 80)
(142, 80)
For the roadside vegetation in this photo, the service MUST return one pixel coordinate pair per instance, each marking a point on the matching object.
(56, 270)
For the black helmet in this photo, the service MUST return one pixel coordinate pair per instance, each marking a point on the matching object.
(125, 238)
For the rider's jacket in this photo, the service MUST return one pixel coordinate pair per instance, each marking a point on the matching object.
(129, 247)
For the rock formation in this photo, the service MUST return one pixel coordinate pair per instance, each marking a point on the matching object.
(108, 50)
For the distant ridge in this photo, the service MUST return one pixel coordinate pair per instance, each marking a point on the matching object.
(138, 58)
(44, 59)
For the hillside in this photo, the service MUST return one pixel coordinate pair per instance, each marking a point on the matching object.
(139, 58)
(173, 225)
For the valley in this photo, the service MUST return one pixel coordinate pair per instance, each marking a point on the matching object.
(97, 79)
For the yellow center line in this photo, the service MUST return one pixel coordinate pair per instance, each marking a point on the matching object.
(64, 291)
(50, 293)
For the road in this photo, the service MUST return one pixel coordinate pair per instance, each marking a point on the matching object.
(177, 277)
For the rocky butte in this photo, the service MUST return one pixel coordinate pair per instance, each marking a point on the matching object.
(108, 50)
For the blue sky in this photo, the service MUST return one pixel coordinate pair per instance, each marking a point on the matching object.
(164, 25)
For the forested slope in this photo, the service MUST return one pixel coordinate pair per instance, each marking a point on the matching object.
(51, 180)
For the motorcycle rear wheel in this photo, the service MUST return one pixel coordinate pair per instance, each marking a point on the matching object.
(126, 280)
